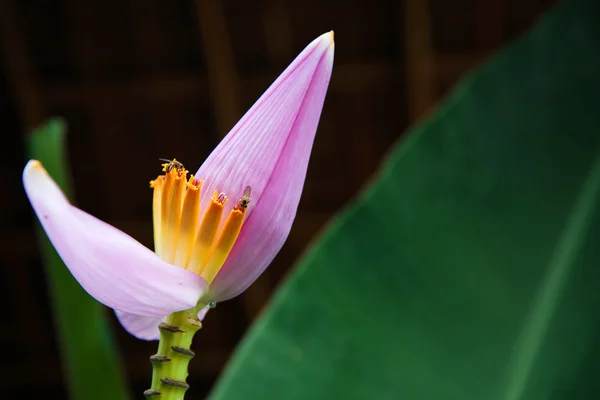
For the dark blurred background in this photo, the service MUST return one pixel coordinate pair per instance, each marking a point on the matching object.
(138, 80)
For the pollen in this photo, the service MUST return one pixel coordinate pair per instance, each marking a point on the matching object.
(184, 234)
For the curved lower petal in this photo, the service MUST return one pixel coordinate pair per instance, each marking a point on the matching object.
(146, 328)
(268, 225)
(110, 265)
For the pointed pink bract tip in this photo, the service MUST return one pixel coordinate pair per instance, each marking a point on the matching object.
(328, 38)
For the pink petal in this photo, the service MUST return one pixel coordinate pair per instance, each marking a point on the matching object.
(110, 265)
(249, 153)
(269, 150)
(146, 328)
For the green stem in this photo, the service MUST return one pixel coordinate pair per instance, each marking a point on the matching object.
(170, 363)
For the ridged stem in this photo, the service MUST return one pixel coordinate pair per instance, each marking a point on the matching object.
(170, 363)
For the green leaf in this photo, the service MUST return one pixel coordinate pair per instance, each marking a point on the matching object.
(89, 357)
(470, 269)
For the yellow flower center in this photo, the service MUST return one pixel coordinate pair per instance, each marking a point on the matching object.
(179, 238)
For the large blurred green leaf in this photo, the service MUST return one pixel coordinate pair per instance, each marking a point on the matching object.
(471, 268)
(90, 361)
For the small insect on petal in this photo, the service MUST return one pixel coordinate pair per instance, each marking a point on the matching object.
(172, 164)
(245, 200)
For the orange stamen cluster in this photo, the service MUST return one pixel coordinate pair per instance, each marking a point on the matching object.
(179, 238)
